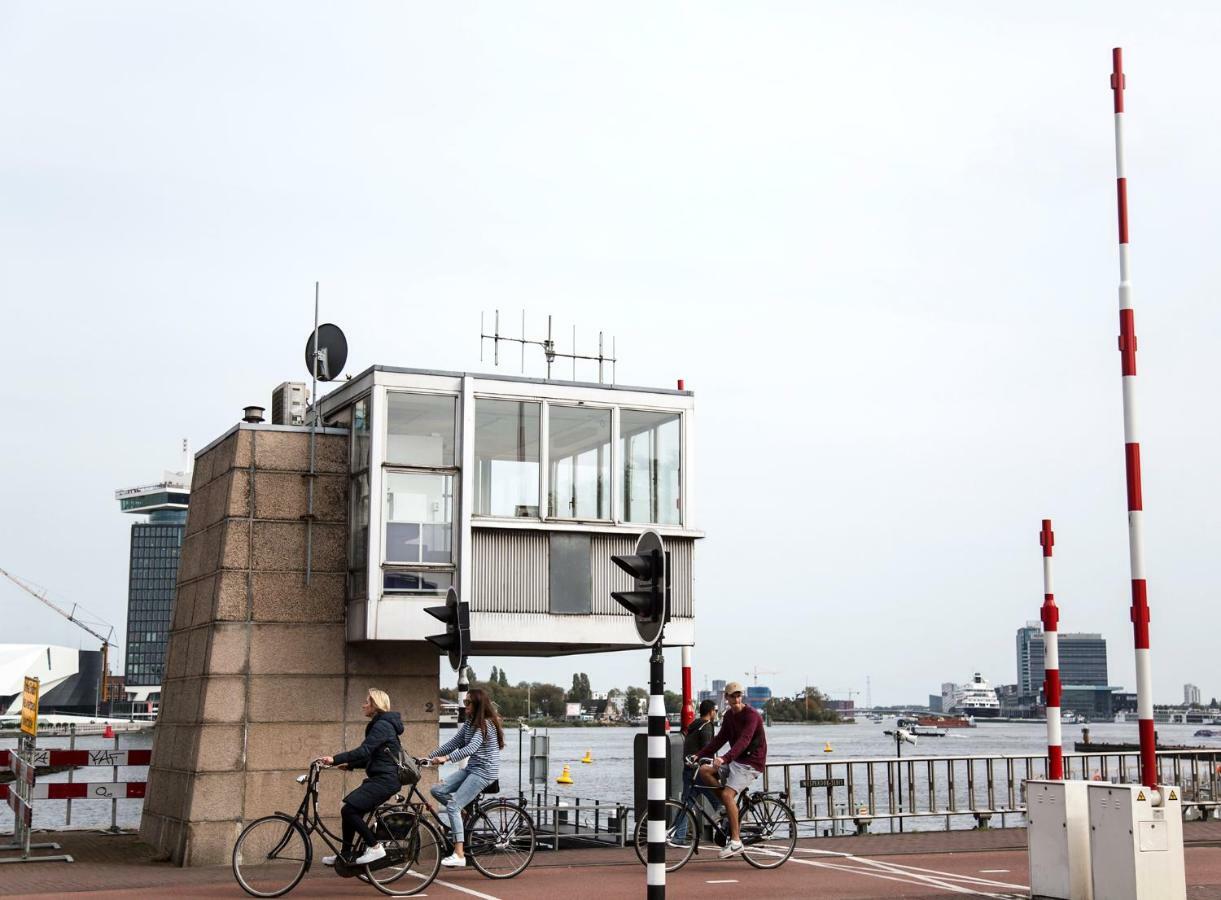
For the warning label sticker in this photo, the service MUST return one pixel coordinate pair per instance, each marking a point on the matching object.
(1174, 796)
(1140, 795)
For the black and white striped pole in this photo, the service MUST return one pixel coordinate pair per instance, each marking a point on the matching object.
(464, 685)
(649, 602)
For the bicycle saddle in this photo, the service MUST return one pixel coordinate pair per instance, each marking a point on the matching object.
(491, 788)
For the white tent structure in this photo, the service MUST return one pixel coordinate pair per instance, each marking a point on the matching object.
(52, 666)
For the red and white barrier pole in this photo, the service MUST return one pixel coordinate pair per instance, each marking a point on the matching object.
(1136, 549)
(1051, 659)
(688, 714)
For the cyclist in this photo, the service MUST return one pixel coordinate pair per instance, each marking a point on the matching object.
(741, 764)
(378, 755)
(699, 732)
(480, 739)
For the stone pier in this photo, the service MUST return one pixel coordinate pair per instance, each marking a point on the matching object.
(259, 677)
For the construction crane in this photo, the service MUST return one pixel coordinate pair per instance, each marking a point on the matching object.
(103, 694)
(756, 672)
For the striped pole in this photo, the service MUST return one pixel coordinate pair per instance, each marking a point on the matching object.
(1136, 549)
(688, 715)
(463, 687)
(1051, 659)
(656, 868)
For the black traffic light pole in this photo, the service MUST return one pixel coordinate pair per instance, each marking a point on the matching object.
(656, 874)
(649, 602)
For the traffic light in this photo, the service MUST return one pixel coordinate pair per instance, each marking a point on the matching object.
(648, 601)
(456, 614)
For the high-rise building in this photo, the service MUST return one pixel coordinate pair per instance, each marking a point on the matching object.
(1028, 680)
(153, 573)
(1191, 695)
(1083, 670)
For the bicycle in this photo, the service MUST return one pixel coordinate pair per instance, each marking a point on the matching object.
(500, 836)
(767, 827)
(273, 853)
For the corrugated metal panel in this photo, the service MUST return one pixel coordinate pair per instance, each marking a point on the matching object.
(608, 577)
(509, 571)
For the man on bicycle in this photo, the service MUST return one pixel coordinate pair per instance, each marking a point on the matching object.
(741, 764)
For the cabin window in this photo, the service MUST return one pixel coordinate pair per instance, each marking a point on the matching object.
(650, 453)
(420, 429)
(506, 458)
(419, 517)
(579, 465)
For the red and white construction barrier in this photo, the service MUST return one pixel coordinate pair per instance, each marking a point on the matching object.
(50, 757)
(77, 790)
(1051, 658)
(1136, 540)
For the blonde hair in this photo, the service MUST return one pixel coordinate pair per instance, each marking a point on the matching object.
(381, 700)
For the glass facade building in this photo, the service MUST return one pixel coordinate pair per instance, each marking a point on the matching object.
(156, 545)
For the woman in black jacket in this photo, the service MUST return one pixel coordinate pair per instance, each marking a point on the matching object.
(378, 756)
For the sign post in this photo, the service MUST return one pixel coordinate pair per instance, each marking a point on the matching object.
(21, 796)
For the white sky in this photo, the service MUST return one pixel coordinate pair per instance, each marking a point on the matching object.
(877, 239)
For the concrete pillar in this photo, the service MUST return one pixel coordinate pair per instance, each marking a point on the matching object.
(259, 677)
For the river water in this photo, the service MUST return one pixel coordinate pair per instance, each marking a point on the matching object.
(609, 776)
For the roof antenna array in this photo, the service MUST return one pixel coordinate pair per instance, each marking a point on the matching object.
(550, 353)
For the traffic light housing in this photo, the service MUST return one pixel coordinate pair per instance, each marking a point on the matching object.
(456, 614)
(649, 600)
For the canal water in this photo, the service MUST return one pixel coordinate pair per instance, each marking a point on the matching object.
(609, 776)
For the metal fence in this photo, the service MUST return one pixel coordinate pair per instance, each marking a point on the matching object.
(933, 792)
(578, 820)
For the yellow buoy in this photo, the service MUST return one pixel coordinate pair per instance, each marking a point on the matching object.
(827, 748)
(565, 776)
(588, 757)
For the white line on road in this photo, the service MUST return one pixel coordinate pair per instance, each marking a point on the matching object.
(937, 873)
(993, 871)
(437, 882)
(906, 874)
(722, 881)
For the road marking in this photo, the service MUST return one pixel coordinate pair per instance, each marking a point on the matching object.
(722, 881)
(919, 872)
(993, 871)
(910, 875)
(453, 887)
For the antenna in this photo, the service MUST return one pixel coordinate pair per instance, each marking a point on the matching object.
(550, 353)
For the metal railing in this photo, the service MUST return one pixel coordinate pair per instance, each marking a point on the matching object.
(571, 820)
(849, 795)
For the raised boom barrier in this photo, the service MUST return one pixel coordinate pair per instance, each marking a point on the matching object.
(846, 795)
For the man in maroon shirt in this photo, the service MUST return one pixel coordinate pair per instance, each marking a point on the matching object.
(741, 764)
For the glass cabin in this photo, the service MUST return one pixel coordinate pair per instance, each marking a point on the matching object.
(517, 492)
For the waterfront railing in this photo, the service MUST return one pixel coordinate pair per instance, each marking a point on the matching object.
(845, 796)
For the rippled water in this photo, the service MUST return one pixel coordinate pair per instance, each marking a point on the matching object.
(609, 777)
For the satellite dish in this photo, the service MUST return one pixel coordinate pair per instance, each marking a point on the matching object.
(332, 352)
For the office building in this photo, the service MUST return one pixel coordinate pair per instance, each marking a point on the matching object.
(1083, 671)
(757, 696)
(1191, 695)
(156, 543)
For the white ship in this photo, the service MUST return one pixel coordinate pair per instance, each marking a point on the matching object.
(975, 698)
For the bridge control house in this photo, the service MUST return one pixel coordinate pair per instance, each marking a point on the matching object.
(292, 602)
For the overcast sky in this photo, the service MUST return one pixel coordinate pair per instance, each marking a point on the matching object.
(876, 239)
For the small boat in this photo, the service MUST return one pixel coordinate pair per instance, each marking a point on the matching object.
(935, 721)
(1207, 732)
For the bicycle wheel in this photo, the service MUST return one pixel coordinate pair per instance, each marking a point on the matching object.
(500, 839)
(769, 833)
(414, 850)
(270, 856)
(677, 853)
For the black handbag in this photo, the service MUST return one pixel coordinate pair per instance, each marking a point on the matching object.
(408, 771)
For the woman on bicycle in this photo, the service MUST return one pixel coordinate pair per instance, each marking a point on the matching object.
(480, 739)
(378, 755)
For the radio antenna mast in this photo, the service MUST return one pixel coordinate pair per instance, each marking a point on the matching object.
(548, 345)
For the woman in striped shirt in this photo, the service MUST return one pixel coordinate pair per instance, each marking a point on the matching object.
(479, 740)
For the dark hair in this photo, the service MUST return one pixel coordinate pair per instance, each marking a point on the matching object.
(706, 706)
(482, 711)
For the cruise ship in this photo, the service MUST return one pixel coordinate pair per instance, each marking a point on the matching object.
(975, 698)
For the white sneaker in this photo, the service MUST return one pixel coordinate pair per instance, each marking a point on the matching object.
(376, 852)
(454, 861)
(328, 860)
(732, 848)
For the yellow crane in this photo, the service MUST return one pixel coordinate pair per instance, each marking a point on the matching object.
(103, 693)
